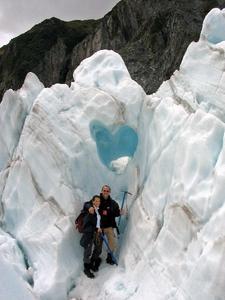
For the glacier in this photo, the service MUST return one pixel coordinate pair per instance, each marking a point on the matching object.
(59, 145)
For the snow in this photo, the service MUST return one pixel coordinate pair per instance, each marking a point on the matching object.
(120, 164)
(60, 145)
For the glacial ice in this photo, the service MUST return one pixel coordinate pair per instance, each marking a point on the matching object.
(14, 275)
(200, 81)
(213, 26)
(168, 151)
(113, 144)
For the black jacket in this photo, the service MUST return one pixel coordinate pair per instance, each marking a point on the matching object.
(109, 210)
(89, 225)
(90, 220)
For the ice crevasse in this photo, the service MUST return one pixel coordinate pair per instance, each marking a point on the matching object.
(59, 145)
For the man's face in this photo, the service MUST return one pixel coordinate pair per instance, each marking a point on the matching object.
(105, 192)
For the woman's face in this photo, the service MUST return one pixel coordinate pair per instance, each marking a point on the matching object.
(96, 202)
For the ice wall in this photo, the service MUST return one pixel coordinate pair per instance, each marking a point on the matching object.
(15, 278)
(180, 201)
(59, 160)
(200, 81)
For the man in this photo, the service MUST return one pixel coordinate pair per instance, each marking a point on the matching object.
(109, 210)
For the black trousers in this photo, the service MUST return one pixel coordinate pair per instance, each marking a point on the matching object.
(92, 244)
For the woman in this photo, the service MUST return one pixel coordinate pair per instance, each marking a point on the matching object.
(91, 236)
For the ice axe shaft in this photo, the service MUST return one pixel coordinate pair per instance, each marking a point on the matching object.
(108, 248)
(123, 201)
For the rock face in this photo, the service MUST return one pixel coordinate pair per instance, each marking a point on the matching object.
(151, 38)
(44, 50)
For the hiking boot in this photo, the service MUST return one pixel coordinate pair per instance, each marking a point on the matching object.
(87, 271)
(95, 264)
(109, 259)
(98, 262)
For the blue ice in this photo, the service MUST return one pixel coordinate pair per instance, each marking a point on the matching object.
(114, 142)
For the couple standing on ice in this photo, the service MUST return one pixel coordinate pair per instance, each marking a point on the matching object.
(99, 220)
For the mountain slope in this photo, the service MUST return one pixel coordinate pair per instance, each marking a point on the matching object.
(44, 50)
(151, 38)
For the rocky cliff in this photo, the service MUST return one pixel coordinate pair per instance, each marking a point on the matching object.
(150, 36)
(45, 50)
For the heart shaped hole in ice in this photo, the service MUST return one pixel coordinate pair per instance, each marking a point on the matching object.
(115, 145)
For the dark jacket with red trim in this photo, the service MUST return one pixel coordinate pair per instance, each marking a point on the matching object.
(109, 210)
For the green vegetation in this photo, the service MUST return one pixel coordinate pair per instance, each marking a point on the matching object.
(2, 50)
(32, 45)
(26, 51)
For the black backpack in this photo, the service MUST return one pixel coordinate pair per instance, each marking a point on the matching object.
(79, 222)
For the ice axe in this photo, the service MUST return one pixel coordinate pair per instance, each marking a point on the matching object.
(108, 248)
(123, 201)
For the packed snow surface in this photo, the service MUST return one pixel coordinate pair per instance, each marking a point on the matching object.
(59, 145)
